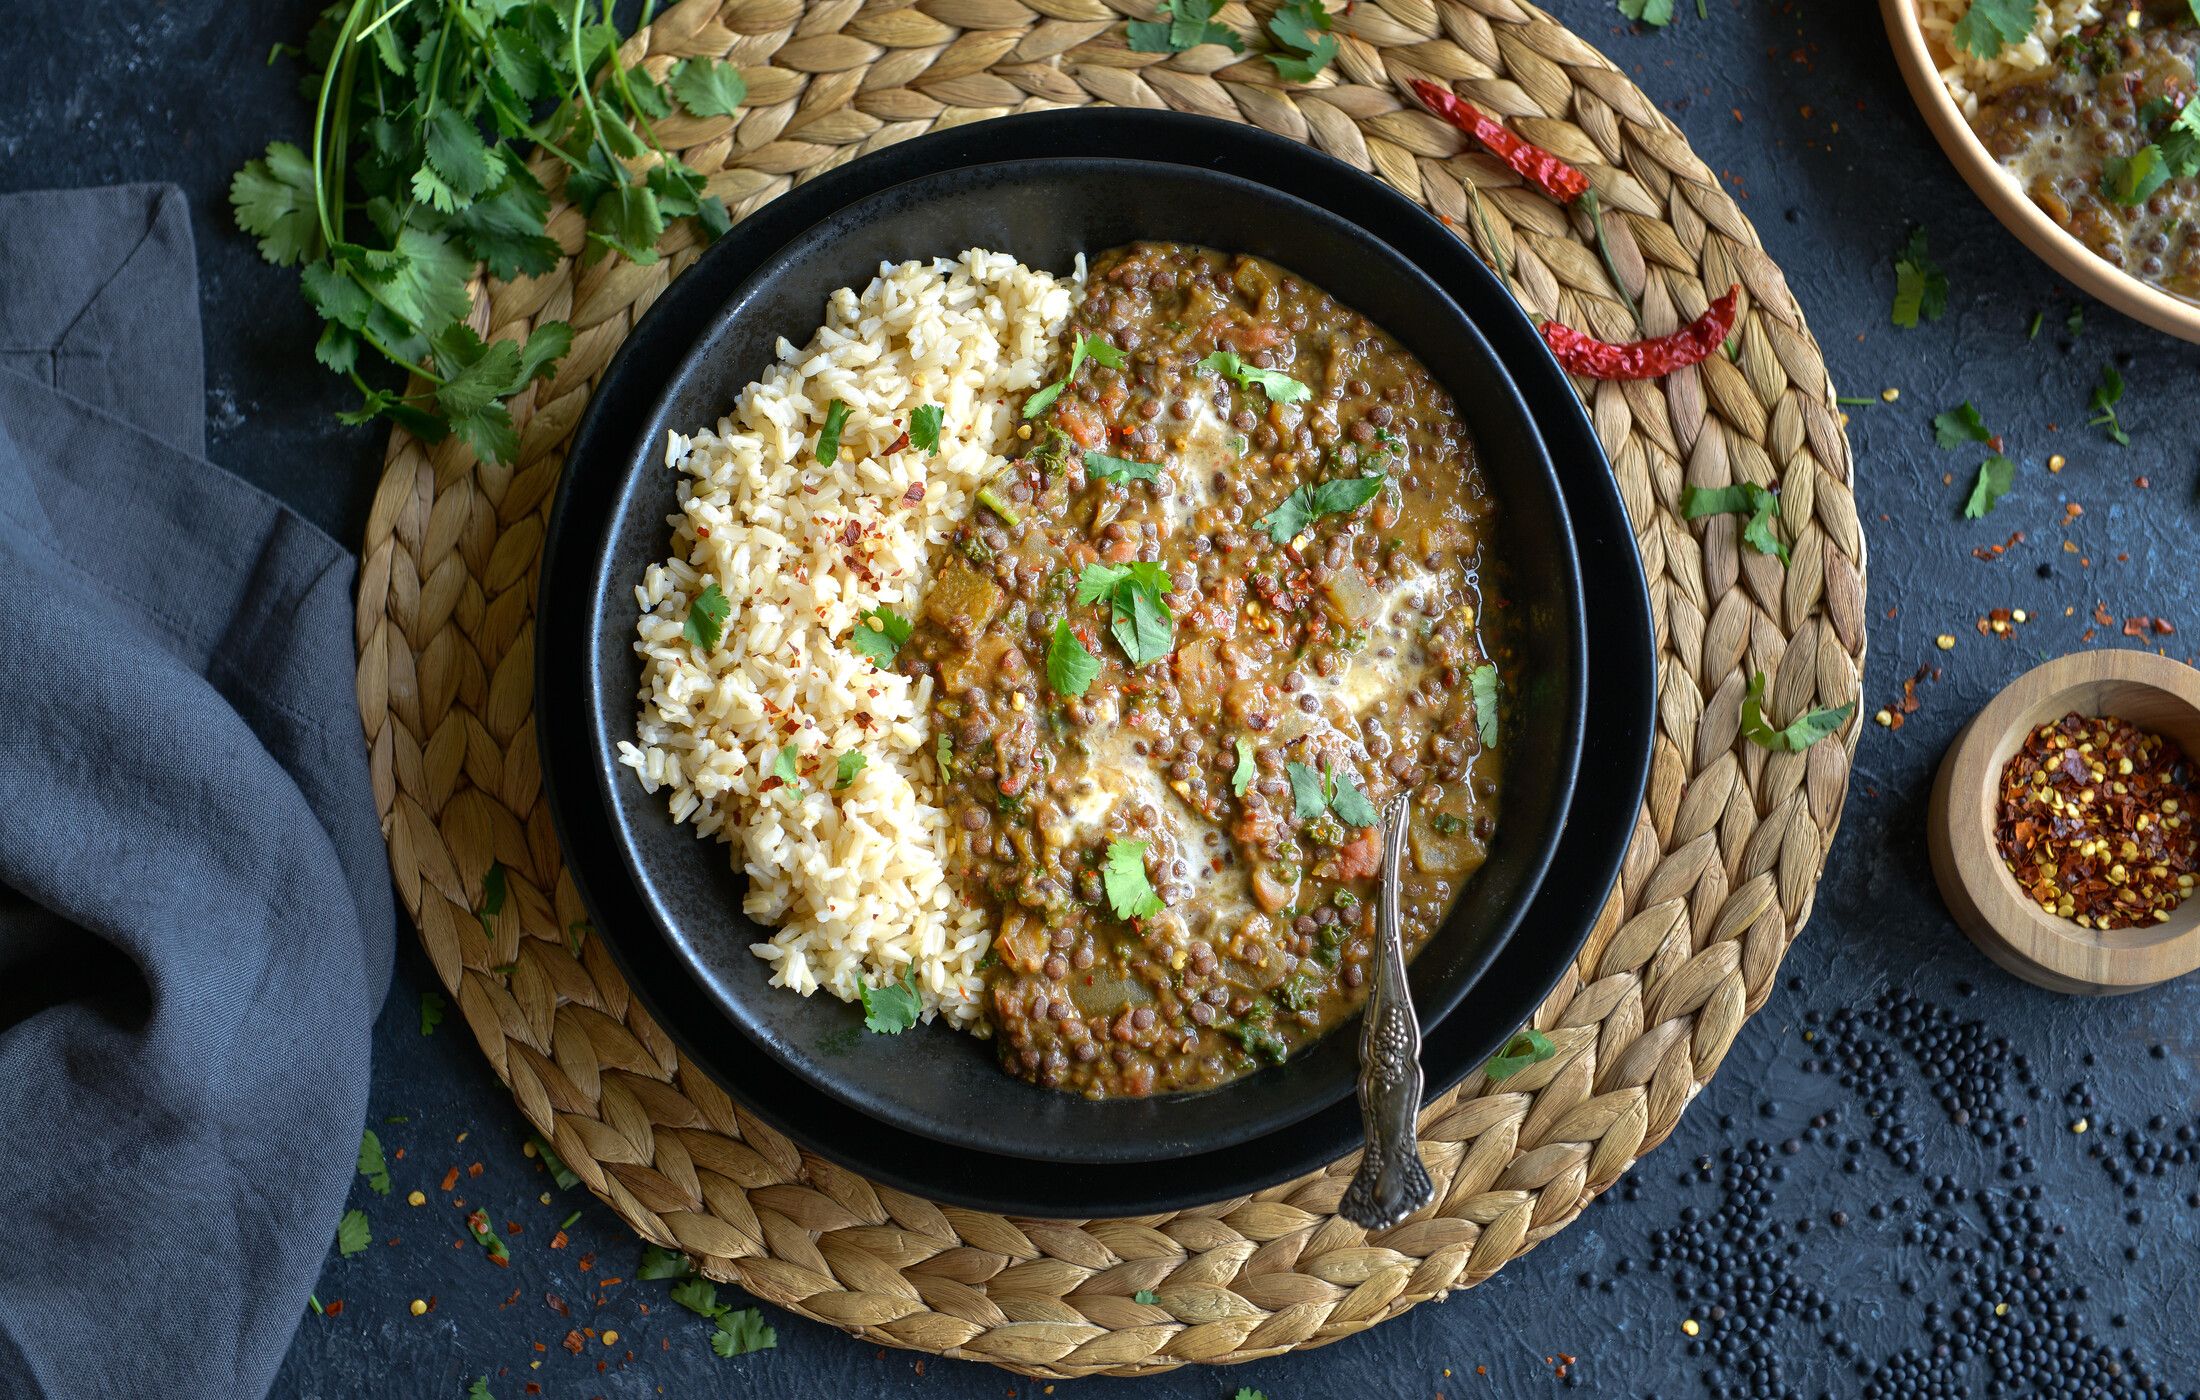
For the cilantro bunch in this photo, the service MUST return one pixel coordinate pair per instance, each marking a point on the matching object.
(425, 112)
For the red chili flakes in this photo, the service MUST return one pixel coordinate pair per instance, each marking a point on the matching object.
(334, 1308)
(1995, 551)
(2141, 482)
(914, 494)
(558, 1240)
(2137, 626)
(573, 1342)
(474, 1170)
(2164, 626)
(588, 1261)
(2103, 616)
(557, 1305)
(2095, 822)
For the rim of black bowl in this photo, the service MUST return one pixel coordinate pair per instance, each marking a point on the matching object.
(930, 1080)
(1618, 734)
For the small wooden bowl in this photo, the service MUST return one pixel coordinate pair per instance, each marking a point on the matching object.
(2006, 199)
(2153, 693)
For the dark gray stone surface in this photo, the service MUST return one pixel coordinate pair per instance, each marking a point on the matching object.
(1943, 1135)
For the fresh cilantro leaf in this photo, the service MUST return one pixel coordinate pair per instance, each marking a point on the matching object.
(663, 1263)
(561, 1175)
(1097, 348)
(1101, 467)
(1038, 403)
(943, 753)
(1990, 26)
(708, 88)
(741, 1332)
(879, 634)
(1146, 1296)
(706, 618)
(1960, 425)
(504, 228)
(1655, 13)
(1099, 581)
(1744, 498)
(421, 281)
(1309, 795)
(1242, 778)
(353, 1234)
(784, 769)
(479, 1390)
(1130, 894)
(1798, 736)
(2132, 180)
(1179, 26)
(828, 437)
(1482, 683)
(1278, 386)
(1995, 476)
(2106, 395)
(458, 155)
(1529, 1047)
(1351, 805)
(628, 221)
(2181, 143)
(1300, 509)
(1070, 667)
(432, 1007)
(892, 1010)
(1248, 1393)
(924, 427)
(372, 1164)
(845, 770)
(2075, 321)
(1302, 25)
(492, 890)
(1921, 288)
(274, 199)
(697, 1295)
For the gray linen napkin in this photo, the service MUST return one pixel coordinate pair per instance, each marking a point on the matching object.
(195, 918)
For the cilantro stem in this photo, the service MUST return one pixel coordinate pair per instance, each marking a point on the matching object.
(386, 16)
(320, 123)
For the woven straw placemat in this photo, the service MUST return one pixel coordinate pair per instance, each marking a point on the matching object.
(1726, 853)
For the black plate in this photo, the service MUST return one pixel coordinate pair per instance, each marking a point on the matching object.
(933, 1080)
(1616, 734)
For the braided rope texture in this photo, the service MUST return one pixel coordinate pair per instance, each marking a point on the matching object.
(1718, 878)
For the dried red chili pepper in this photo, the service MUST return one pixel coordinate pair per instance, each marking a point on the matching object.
(1531, 162)
(1583, 354)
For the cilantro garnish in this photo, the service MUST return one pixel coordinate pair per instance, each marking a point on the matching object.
(1314, 793)
(1920, 287)
(663, 1263)
(879, 634)
(1655, 13)
(943, 753)
(828, 437)
(1798, 736)
(1242, 778)
(1304, 505)
(1070, 667)
(1960, 425)
(1130, 894)
(1990, 26)
(892, 1009)
(427, 112)
(850, 764)
(924, 427)
(1529, 1047)
(706, 618)
(1181, 24)
(1086, 347)
(1482, 682)
(1995, 476)
(479, 1390)
(432, 1007)
(492, 1244)
(1277, 385)
(353, 1234)
(2132, 180)
(372, 1164)
(561, 1176)
(1101, 467)
(1302, 27)
(708, 89)
(1743, 498)
(1138, 620)
(1146, 1296)
(2106, 395)
(741, 1332)
(784, 769)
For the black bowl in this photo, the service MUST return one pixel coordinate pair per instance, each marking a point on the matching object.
(935, 1081)
(1616, 737)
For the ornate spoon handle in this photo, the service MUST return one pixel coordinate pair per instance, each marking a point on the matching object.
(1391, 1183)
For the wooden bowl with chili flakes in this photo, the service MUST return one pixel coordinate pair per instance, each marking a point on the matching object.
(2151, 694)
(2005, 195)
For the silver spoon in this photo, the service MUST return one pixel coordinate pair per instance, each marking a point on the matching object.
(1391, 1183)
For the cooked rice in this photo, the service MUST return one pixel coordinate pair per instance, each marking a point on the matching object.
(854, 879)
(1971, 79)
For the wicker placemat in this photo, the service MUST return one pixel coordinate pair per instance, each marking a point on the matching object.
(1726, 854)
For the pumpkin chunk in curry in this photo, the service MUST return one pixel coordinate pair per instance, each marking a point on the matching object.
(1232, 597)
